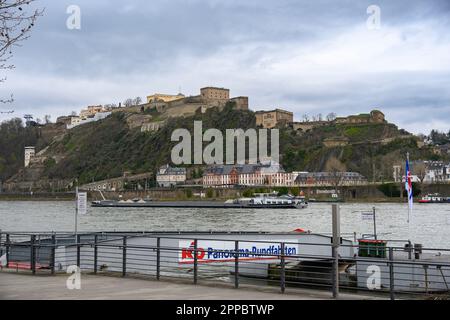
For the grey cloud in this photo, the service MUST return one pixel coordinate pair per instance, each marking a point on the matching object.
(137, 47)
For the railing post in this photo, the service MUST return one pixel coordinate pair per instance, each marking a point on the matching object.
(335, 272)
(158, 259)
(391, 273)
(236, 265)
(425, 269)
(53, 255)
(33, 254)
(78, 239)
(283, 268)
(335, 249)
(95, 254)
(7, 248)
(409, 250)
(443, 277)
(1, 248)
(195, 261)
(124, 257)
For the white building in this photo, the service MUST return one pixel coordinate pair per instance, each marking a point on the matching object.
(267, 173)
(91, 111)
(434, 172)
(437, 172)
(397, 173)
(169, 177)
(328, 179)
(30, 152)
(78, 121)
(74, 121)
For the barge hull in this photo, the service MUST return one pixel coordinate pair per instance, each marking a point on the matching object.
(212, 205)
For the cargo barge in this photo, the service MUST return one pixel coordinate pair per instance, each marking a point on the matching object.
(285, 202)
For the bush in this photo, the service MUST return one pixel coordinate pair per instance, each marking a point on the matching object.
(416, 190)
(248, 193)
(49, 163)
(295, 191)
(283, 191)
(210, 193)
(353, 131)
(392, 190)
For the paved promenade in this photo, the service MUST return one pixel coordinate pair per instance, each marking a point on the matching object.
(26, 287)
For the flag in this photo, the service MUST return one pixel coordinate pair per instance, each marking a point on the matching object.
(408, 186)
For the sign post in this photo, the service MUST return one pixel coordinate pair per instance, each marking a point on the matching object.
(371, 216)
(336, 222)
(375, 223)
(81, 207)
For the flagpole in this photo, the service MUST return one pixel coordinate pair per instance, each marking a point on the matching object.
(407, 177)
(76, 212)
(410, 194)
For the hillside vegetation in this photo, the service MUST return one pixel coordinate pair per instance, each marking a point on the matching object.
(14, 137)
(107, 148)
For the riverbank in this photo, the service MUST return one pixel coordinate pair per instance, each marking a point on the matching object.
(53, 196)
(355, 194)
(133, 195)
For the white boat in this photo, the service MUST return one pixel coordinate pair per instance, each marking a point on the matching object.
(271, 201)
(434, 198)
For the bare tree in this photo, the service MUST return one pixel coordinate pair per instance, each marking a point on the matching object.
(128, 102)
(319, 117)
(420, 170)
(110, 106)
(15, 26)
(331, 116)
(47, 119)
(137, 101)
(336, 170)
(305, 118)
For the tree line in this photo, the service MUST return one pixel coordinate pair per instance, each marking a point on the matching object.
(319, 117)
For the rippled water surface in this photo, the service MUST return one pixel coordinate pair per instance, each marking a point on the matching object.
(430, 224)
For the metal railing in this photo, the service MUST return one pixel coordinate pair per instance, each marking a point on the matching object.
(395, 271)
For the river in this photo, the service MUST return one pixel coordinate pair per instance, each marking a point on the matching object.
(430, 223)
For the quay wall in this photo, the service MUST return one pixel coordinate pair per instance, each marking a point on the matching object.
(369, 193)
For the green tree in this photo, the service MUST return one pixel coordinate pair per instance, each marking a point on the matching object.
(210, 193)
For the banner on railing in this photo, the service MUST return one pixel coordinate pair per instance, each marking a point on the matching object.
(210, 251)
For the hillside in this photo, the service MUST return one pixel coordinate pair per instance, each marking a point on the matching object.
(107, 148)
(372, 149)
(14, 137)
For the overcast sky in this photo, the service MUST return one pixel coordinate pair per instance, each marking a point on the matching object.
(305, 56)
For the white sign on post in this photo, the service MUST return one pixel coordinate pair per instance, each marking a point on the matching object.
(367, 216)
(82, 203)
